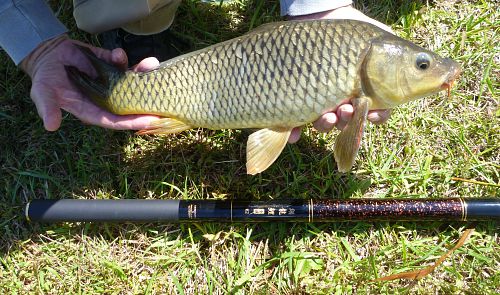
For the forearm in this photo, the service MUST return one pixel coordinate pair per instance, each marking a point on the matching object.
(303, 7)
(25, 24)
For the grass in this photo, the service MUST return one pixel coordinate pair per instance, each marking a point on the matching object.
(421, 152)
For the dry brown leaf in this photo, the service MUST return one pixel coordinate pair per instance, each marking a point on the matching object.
(418, 274)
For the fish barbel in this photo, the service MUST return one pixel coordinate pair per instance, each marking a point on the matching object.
(279, 76)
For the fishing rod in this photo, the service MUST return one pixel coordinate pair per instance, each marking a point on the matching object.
(296, 210)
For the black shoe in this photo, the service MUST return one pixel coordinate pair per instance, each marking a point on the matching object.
(163, 46)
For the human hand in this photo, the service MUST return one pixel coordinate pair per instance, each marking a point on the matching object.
(343, 113)
(51, 90)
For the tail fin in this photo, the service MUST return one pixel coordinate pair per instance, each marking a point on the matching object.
(97, 89)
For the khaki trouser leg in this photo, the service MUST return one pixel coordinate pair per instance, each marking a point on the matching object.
(140, 17)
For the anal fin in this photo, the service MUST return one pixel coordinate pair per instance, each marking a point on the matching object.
(165, 126)
(349, 140)
(264, 147)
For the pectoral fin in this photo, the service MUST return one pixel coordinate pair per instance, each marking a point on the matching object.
(349, 139)
(165, 126)
(264, 147)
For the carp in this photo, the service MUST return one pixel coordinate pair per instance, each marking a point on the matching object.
(279, 76)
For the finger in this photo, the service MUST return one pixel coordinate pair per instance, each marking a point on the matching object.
(344, 112)
(295, 135)
(344, 115)
(127, 122)
(119, 58)
(47, 108)
(326, 122)
(379, 116)
(88, 112)
(146, 65)
(101, 53)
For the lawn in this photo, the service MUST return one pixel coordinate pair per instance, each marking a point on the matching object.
(435, 147)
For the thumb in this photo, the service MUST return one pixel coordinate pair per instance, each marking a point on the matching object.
(147, 64)
(117, 56)
(47, 108)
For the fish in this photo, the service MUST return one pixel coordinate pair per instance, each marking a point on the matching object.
(274, 78)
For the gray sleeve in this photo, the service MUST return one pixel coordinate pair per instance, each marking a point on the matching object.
(303, 7)
(24, 24)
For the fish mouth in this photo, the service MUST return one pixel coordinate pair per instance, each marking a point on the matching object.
(450, 80)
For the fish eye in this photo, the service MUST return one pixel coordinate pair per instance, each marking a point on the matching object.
(423, 61)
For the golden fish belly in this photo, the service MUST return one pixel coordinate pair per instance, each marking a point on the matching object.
(280, 76)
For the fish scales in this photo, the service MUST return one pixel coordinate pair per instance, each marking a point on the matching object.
(277, 77)
(285, 76)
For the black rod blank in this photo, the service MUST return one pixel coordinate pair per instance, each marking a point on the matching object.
(296, 210)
